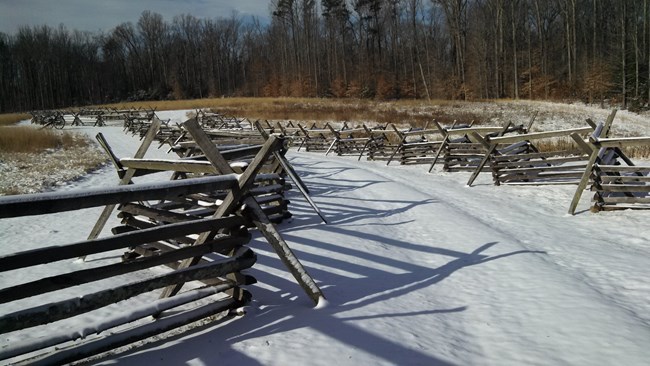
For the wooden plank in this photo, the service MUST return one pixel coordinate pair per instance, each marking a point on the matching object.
(619, 207)
(555, 182)
(158, 215)
(301, 186)
(185, 166)
(51, 202)
(283, 250)
(104, 244)
(400, 145)
(604, 188)
(226, 142)
(621, 142)
(125, 337)
(58, 336)
(541, 168)
(621, 168)
(530, 123)
(421, 132)
(66, 280)
(107, 149)
(540, 176)
(551, 163)
(623, 178)
(78, 305)
(266, 228)
(537, 135)
(126, 179)
(583, 181)
(478, 129)
(585, 147)
(542, 155)
(486, 158)
(608, 123)
(232, 200)
(610, 200)
(133, 224)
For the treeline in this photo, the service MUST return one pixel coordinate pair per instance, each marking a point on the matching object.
(384, 49)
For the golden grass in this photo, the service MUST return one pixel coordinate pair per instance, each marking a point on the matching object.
(13, 118)
(413, 112)
(556, 144)
(25, 139)
(566, 144)
(637, 152)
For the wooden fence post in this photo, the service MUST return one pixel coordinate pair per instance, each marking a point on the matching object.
(126, 179)
(260, 220)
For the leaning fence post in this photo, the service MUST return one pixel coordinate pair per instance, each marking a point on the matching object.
(260, 219)
(126, 179)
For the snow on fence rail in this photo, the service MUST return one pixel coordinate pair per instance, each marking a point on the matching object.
(516, 160)
(96, 116)
(512, 159)
(616, 187)
(224, 294)
(204, 211)
(259, 199)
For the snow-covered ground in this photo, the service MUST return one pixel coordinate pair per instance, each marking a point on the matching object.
(418, 269)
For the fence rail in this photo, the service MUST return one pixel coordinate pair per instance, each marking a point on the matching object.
(226, 258)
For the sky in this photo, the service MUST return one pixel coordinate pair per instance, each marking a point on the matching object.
(103, 15)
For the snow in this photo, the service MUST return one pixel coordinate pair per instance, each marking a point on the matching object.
(416, 269)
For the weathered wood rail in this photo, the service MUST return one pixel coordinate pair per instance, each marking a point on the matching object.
(96, 117)
(195, 226)
(615, 186)
(467, 152)
(209, 119)
(268, 188)
(224, 256)
(516, 159)
(416, 146)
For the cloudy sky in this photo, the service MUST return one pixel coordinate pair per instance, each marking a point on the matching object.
(95, 15)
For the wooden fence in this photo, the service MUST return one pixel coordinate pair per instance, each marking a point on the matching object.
(615, 186)
(224, 257)
(512, 154)
(89, 116)
(195, 225)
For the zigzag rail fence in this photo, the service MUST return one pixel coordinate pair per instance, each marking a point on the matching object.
(196, 226)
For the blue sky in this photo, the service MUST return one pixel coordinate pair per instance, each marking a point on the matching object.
(96, 15)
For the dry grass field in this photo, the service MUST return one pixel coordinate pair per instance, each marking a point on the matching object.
(34, 160)
(413, 112)
(25, 139)
(12, 118)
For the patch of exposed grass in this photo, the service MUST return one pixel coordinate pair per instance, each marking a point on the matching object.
(556, 144)
(34, 160)
(566, 144)
(25, 139)
(12, 118)
(22, 173)
(637, 152)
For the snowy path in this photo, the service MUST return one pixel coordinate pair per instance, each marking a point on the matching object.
(419, 269)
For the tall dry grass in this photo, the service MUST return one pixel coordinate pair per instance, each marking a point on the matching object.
(566, 144)
(315, 109)
(12, 118)
(25, 139)
(637, 152)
